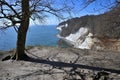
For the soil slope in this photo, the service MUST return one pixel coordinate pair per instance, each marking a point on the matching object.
(50, 63)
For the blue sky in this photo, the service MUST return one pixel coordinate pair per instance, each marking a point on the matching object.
(97, 7)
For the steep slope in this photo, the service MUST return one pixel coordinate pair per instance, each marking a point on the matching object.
(93, 31)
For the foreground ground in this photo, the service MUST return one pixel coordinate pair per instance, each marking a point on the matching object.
(50, 63)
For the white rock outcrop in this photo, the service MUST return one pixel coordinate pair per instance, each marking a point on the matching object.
(82, 39)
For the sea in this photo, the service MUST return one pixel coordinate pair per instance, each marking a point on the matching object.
(38, 35)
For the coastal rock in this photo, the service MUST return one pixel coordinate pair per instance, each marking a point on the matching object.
(93, 31)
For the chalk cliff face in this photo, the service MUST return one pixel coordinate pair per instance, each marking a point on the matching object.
(92, 32)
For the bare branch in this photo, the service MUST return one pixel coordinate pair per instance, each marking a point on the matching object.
(5, 3)
(86, 4)
(16, 29)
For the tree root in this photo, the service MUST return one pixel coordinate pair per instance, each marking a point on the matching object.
(8, 57)
(15, 56)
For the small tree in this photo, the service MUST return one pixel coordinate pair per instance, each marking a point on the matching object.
(17, 14)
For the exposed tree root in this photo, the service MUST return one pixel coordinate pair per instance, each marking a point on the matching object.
(15, 56)
(6, 58)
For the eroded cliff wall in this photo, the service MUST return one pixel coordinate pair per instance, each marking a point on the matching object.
(93, 31)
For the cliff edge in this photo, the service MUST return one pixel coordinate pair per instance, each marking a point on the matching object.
(93, 31)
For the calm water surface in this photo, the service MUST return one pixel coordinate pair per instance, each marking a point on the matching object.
(37, 36)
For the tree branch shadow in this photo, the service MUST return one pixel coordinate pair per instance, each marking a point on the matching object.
(74, 72)
(70, 65)
(69, 74)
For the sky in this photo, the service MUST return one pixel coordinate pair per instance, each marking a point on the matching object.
(95, 8)
(79, 9)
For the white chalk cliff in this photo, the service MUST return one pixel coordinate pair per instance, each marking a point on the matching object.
(94, 31)
(81, 39)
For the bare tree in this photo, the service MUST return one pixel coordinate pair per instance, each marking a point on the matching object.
(17, 14)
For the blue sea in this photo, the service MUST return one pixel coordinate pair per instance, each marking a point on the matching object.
(38, 35)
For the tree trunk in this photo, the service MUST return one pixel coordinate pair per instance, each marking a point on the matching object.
(22, 31)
